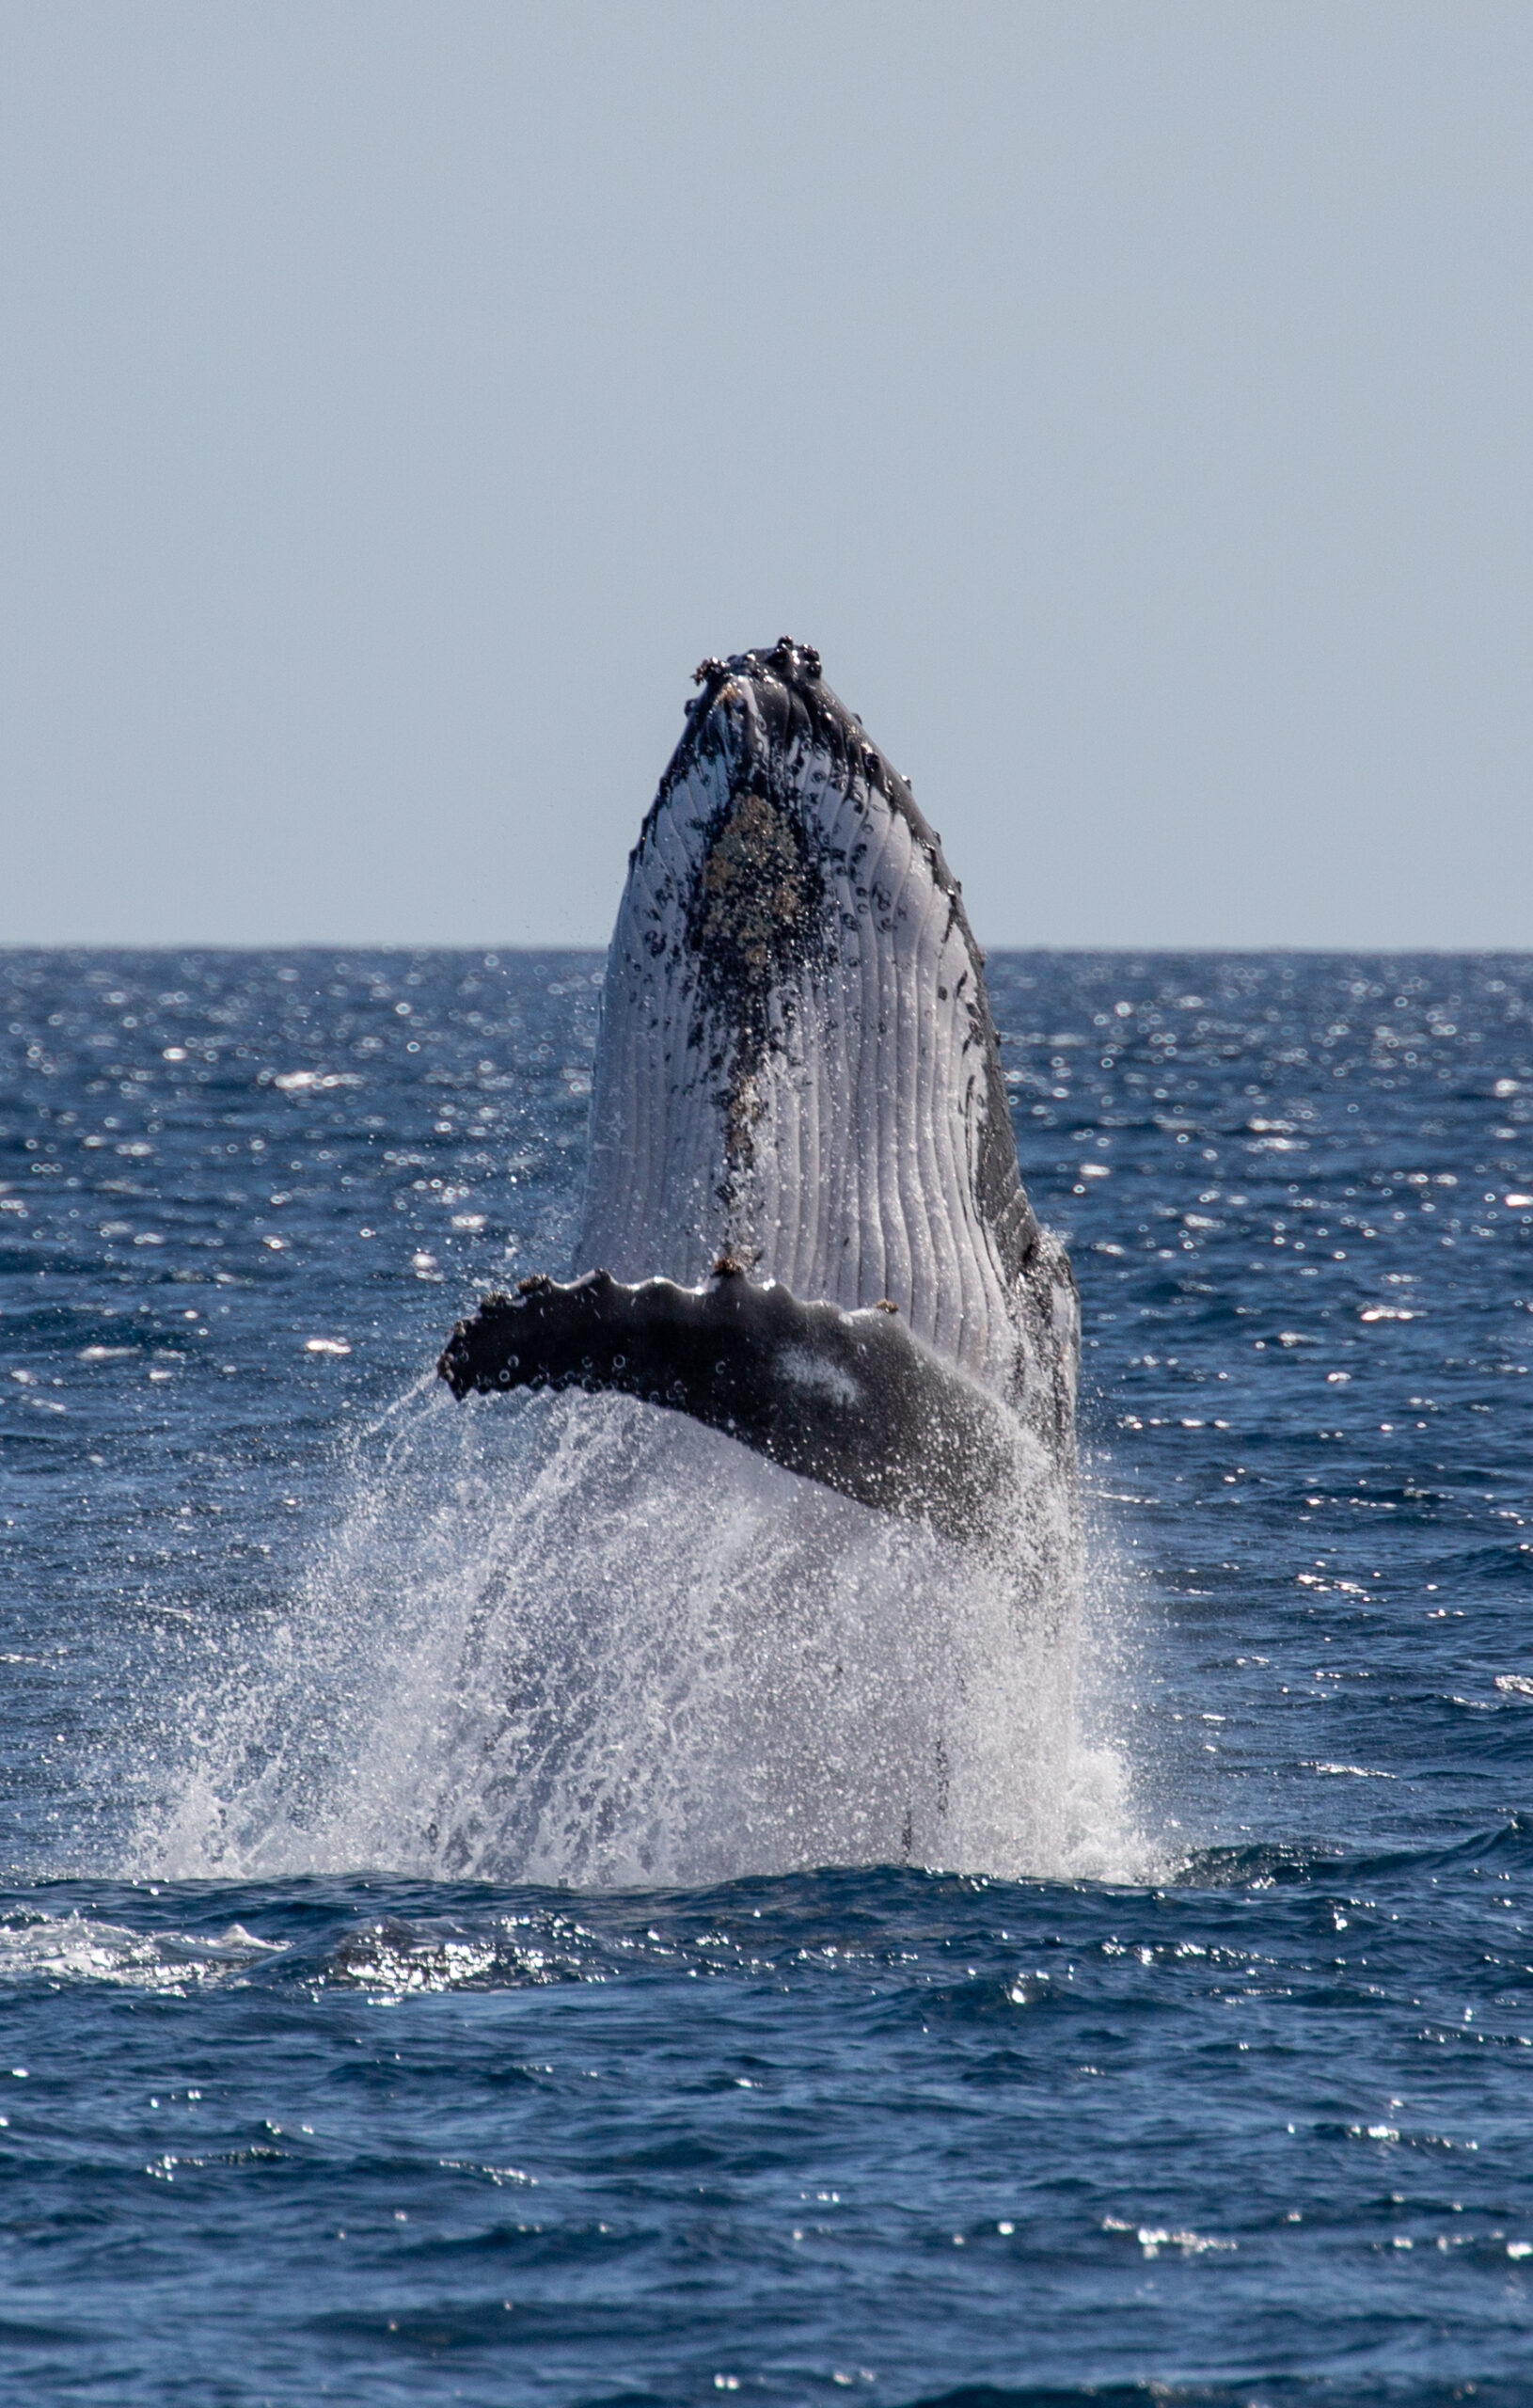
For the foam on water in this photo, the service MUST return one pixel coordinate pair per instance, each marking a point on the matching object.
(576, 1640)
(83, 1948)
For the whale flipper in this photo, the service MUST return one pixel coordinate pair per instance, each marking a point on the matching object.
(848, 1399)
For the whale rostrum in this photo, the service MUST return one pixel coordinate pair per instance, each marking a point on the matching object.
(798, 1078)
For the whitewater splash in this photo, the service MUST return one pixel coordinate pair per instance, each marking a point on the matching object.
(797, 1582)
(578, 1641)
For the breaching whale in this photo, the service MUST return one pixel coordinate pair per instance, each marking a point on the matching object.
(804, 1224)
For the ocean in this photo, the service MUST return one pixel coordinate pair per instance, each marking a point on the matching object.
(525, 1903)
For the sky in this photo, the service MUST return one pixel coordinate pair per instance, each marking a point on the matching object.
(1130, 398)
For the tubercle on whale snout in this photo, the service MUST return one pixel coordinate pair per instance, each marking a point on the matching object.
(848, 1398)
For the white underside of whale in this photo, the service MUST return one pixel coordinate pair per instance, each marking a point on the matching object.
(845, 1165)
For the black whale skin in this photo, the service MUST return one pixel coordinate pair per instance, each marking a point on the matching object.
(848, 1399)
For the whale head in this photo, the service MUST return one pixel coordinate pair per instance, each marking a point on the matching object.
(798, 1065)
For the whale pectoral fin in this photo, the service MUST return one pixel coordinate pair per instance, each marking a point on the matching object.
(850, 1399)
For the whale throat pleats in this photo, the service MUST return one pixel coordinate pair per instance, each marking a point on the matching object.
(796, 1065)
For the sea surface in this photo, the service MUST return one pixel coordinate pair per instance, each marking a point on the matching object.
(451, 1946)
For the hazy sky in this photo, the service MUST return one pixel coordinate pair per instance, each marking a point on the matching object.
(1132, 400)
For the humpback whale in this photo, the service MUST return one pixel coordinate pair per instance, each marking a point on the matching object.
(804, 1224)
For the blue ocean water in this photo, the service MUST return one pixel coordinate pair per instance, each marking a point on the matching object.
(307, 2096)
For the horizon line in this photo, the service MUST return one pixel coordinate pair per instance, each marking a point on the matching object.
(9, 946)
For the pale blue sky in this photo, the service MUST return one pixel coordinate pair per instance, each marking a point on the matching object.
(1132, 400)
